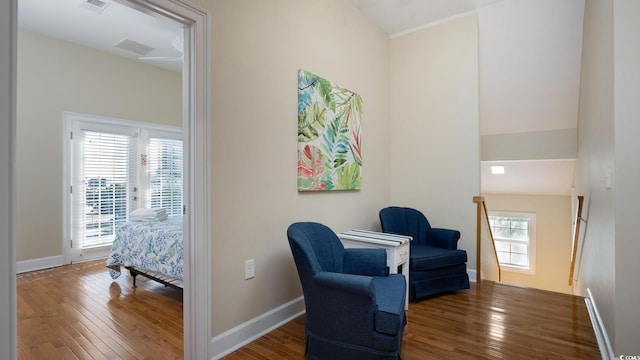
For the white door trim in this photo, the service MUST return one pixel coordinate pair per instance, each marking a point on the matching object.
(8, 318)
(196, 134)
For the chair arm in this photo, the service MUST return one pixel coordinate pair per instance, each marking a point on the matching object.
(356, 284)
(369, 262)
(443, 238)
(343, 306)
(390, 298)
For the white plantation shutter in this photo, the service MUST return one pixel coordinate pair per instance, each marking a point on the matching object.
(105, 172)
(165, 175)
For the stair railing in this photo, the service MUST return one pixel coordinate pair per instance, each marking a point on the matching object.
(576, 236)
(483, 217)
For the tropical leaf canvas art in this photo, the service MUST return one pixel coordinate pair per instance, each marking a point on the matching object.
(329, 135)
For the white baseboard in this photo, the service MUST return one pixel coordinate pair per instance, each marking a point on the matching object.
(39, 264)
(243, 334)
(473, 275)
(606, 350)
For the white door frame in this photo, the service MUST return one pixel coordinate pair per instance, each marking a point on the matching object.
(196, 130)
(8, 319)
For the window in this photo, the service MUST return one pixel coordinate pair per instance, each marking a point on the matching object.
(115, 166)
(104, 172)
(165, 175)
(514, 238)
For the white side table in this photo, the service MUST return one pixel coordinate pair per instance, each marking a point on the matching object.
(396, 246)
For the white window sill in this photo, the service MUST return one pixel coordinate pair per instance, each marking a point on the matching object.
(516, 269)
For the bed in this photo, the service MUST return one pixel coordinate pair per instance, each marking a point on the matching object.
(153, 249)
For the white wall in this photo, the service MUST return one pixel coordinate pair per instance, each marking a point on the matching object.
(595, 157)
(558, 144)
(7, 178)
(529, 65)
(553, 239)
(257, 48)
(435, 151)
(56, 76)
(608, 140)
(627, 174)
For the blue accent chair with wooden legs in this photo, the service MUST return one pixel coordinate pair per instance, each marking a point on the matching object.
(354, 309)
(436, 265)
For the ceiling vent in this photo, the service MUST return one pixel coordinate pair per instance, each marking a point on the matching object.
(96, 5)
(134, 47)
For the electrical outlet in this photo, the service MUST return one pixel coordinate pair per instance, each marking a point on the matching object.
(249, 269)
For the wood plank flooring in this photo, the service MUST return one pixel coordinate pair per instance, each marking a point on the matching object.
(492, 321)
(79, 312)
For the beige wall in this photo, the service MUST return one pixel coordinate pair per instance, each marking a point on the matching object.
(55, 76)
(435, 151)
(257, 48)
(553, 239)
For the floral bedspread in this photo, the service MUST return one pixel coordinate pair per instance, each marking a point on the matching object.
(152, 246)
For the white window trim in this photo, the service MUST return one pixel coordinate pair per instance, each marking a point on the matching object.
(532, 240)
(73, 120)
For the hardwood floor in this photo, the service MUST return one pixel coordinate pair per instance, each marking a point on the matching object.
(79, 312)
(492, 321)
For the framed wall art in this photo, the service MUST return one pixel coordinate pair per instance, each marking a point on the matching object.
(329, 135)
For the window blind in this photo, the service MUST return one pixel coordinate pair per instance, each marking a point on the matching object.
(105, 174)
(165, 175)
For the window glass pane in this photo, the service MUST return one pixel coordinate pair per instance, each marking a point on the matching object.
(503, 246)
(519, 234)
(520, 260)
(502, 233)
(519, 223)
(504, 257)
(518, 248)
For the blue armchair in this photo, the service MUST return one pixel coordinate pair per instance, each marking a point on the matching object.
(436, 265)
(354, 309)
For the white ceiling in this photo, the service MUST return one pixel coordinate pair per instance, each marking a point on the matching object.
(398, 16)
(72, 21)
(534, 177)
(78, 22)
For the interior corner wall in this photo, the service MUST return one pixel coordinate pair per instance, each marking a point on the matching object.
(627, 174)
(257, 48)
(596, 261)
(435, 150)
(55, 76)
(553, 238)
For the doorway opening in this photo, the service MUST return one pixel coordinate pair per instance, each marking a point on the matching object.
(195, 125)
